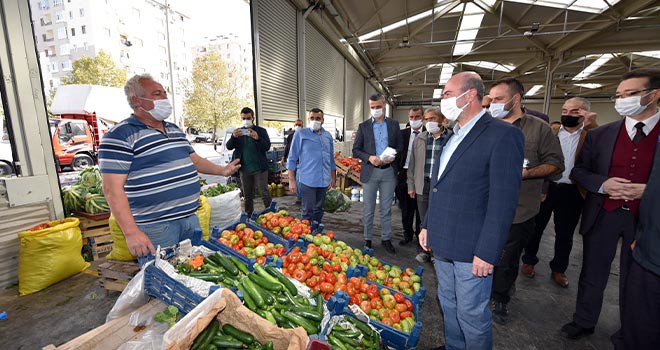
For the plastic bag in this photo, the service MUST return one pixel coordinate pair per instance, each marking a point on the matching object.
(49, 255)
(119, 247)
(225, 209)
(336, 201)
(388, 154)
(204, 216)
(132, 297)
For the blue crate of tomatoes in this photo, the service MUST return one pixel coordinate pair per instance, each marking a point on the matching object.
(251, 241)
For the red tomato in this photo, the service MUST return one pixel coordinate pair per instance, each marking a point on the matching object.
(342, 278)
(359, 298)
(405, 314)
(294, 258)
(409, 304)
(401, 307)
(386, 321)
(312, 282)
(336, 267)
(372, 288)
(376, 303)
(327, 287)
(299, 275)
(373, 295)
(355, 282)
(332, 279)
(330, 234)
(248, 232)
(383, 313)
(291, 268)
(304, 259)
(363, 288)
(365, 306)
(394, 316)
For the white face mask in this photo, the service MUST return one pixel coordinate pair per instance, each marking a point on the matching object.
(416, 124)
(433, 127)
(630, 106)
(377, 113)
(247, 123)
(449, 108)
(162, 109)
(296, 128)
(497, 109)
(315, 125)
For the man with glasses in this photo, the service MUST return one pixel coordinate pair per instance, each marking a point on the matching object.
(614, 166)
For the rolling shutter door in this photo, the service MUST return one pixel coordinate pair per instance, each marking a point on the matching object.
(324, 73)
(354, 108)
(276, 61)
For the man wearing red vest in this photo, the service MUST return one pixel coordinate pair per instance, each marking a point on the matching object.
(614, 166)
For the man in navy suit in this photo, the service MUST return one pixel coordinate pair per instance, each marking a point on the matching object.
(378, 175)
(473, 198)
(614, 166)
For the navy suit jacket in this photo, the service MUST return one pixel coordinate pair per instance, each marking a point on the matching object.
(471, 206)
(365, 145)
(592, 168)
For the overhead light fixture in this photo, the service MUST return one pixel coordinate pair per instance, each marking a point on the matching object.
(589, 85)
(491, 65)
(437, 94)
(594, 66)
(533, 90)
(591, 6)
(445, 73)
(467, 32)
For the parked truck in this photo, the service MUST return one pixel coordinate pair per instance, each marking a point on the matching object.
(82, 114)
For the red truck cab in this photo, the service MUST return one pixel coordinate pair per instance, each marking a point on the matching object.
(75, 139)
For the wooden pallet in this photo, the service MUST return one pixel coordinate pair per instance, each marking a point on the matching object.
(96, 234)
(115, 275)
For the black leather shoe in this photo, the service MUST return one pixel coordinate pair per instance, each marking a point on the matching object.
(574, 331)
(405, 241)
(367, 243)
(500, 313)
(388, 247)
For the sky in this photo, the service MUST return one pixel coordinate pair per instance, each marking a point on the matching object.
(213, 17)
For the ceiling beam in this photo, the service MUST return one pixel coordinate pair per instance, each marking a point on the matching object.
(448, 58)
(620, 11)
(376, 13)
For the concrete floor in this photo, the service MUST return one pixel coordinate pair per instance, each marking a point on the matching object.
(538, 309)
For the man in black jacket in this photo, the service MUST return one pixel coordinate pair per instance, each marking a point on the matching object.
(250, 144)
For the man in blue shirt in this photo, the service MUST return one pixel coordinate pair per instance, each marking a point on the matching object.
(150, 172)
(312, 156)
(378, 175)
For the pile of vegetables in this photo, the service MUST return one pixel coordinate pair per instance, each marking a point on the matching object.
(216, 268)
(215, 337)
(169, 315)
(352, 163)
(251, 243)
(218, 189)
(351, 333)
(394, 310)
(86, 194)
(274, 297)
(336, 201)
(283, 224)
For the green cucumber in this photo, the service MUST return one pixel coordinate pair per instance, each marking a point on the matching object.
(240, 265)
(206, 335)
(319, 304)
(282, 279)
(253, 291)
(228, 343)
(243, 337)
(249, 302)
(335, 344)
(308, 315)
(264, 283)
(269, 299)
(309, 326)
(270, 318)
(228, 265)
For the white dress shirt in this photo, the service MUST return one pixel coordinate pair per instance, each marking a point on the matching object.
(569, 142)
(410, 144)
(455, 140)
(649, 124)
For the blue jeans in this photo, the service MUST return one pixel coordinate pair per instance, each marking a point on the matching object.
(312, 202)
(464, 300)
(170, 233)
(384, 182)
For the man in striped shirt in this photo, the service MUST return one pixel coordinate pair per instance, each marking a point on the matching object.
(150, 172)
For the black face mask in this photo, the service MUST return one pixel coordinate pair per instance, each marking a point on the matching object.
(569, 121)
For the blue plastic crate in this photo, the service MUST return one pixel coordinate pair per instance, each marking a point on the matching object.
(418, 271)
(172, 292)
(272, 238)
(392, 337)
(314, 225)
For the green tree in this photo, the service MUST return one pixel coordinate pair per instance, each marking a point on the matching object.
(212, 94)
(99, 70)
